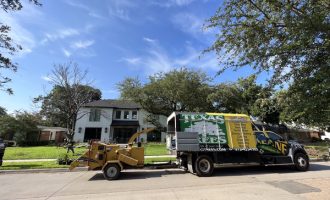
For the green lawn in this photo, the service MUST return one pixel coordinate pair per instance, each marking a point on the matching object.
(155, 149)
(30, 165)
(152, 160)
(51, 152)
(44, 152)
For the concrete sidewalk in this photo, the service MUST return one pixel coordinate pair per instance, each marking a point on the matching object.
(46, 160)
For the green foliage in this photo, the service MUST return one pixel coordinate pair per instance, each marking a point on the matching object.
(2, 111)
(8, 126)
(64, 159)
(290, 39)
(22, 127)
(177, 90)
(7, 45)
(245, 96)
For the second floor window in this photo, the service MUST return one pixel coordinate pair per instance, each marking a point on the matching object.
(134, 114)
(95, 115)
(117, 114)
(126, 114)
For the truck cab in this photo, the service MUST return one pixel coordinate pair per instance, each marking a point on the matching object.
(274, 149)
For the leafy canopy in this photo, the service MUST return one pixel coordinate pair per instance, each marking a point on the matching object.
(290, 39)
(178, 90)
(285, 37)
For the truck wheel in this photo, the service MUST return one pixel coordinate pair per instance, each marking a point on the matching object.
(301, 162)
(111, 171)
(204, 166)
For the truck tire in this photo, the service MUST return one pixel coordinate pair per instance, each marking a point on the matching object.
(111, 171)
(204, 166)
(301, 162)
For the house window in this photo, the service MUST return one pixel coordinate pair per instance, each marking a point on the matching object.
(126, 114)
(134, 114)
(117, 114)
(95, 115)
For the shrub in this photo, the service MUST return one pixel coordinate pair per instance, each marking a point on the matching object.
(64, 159)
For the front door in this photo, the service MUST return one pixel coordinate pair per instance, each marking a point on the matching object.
(122, 135)
(92, 134)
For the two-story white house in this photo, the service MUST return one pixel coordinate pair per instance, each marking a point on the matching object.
(114, 121)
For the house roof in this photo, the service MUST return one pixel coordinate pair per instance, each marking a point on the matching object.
(114, 103)
(47, 128)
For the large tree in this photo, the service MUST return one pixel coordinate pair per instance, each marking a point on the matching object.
(177, 90)
(290, 39)
(245, 96)
(7, 46)
(21, 127)
(71, 90)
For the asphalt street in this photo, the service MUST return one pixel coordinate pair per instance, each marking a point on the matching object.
(227, 183)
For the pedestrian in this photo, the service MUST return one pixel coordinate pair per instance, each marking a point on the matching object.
(70, 146)
(2, 150)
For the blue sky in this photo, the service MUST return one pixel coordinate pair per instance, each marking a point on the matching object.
(112, 39)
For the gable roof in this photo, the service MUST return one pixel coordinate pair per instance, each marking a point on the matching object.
(114, 103)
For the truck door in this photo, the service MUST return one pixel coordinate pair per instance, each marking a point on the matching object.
(270, 143)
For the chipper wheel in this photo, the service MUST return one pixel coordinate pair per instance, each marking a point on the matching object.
(111, 171)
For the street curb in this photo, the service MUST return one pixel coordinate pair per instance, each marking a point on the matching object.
(47, 170)
(80, 169)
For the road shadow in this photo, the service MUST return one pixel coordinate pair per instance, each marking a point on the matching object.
(251, 170)
(139, 174)
(219, 171)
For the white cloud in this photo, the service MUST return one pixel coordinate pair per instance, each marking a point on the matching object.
(19, 33)
(170, 3)
(46, 78)
(133, 61)
(60, 34)
(149, 40)
(121, 9)
(66, 52)
(82, 44)
(157, 59)
(189, 23)
(91, 12)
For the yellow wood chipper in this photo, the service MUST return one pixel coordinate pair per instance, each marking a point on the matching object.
(113, 158)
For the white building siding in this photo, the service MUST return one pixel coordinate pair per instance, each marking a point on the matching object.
(83, 122)
(107, 115)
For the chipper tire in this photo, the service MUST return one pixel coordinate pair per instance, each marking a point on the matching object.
(111, 171)
(301, 162)
(204, 166)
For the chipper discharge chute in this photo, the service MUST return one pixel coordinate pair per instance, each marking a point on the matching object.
(112, 158)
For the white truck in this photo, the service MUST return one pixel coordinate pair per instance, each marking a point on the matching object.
(201, 140)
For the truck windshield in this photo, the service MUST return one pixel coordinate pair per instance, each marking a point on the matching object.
(273, 136)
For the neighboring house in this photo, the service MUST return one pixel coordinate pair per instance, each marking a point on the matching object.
(113, 121)
(56, 134)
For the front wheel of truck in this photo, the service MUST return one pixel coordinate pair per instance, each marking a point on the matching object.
(204, 166)
(301, 162)
(111, 171)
